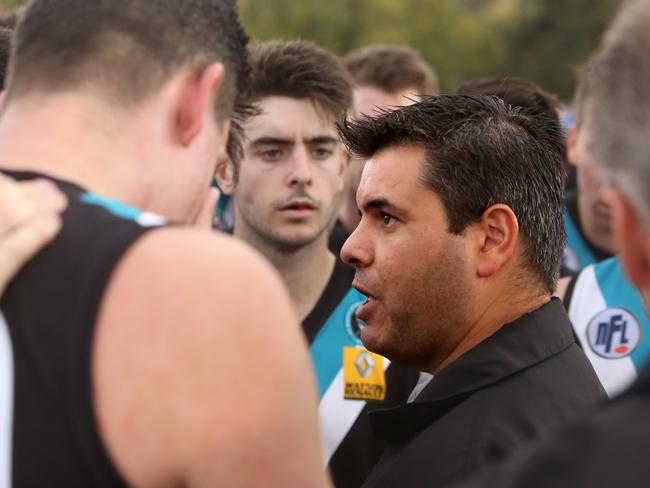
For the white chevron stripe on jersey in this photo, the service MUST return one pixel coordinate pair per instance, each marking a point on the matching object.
(586, 302)
(6, 402)
(337, 415)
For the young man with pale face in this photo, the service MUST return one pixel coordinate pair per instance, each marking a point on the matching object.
(458, 264)
(290, 181)
(287, 190)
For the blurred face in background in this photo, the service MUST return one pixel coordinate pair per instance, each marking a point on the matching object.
(594, 209)
(370, 100)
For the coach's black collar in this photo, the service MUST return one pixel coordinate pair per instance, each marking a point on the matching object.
(518, 345)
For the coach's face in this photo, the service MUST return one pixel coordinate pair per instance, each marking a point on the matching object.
(411, 268)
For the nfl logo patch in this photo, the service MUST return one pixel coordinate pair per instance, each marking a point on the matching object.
(614, 333)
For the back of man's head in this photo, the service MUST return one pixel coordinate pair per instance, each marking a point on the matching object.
(480, 153)
(615, 93)
(302, 70)
(125, 50)
(516, 92)
(391, 68)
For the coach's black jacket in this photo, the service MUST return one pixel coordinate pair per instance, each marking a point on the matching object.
(608, 448)
(516, 385)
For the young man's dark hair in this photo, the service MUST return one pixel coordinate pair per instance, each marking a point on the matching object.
(300, 69)
(5, 49)
(517, 92)
(111, 46)
(481, 153)
(392, 68)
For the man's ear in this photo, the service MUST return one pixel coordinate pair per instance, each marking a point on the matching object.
(225, 176)
(197, 98)
(631, 239)
(495, 236)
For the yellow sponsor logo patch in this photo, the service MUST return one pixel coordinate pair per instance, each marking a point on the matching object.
(363, 374)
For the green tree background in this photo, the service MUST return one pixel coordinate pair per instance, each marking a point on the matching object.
(543, 40)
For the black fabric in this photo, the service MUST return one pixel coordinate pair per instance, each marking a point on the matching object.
(571, 203)
(338, 236)
(512, 387)
(607, 448)
(566, 300)
(51, 307)
(360, 450)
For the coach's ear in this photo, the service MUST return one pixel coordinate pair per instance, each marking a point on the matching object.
(197, 101)
(494, 238)
(225, 176)
(632, 239)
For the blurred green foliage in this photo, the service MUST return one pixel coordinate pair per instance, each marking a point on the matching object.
(543, 40)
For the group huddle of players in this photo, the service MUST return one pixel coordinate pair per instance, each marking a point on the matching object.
(407, 298)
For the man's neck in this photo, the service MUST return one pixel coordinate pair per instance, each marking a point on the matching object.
(501, 309)
(73, 141)
(305, 271)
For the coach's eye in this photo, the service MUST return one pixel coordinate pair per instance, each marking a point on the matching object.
(388, 219)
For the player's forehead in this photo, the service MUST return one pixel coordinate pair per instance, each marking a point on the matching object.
(370, 100)
(290, 119)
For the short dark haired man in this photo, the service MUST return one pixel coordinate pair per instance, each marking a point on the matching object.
(286, 191)
(607, 448)
(458, 260)
(606, 311)
(121, 362)
(385, 76)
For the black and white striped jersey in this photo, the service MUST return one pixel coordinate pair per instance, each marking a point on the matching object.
(48, 431)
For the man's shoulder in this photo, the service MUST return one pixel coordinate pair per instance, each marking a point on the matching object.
(213, 271)
(195, 329)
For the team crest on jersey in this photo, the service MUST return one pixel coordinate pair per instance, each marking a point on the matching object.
(614, 333)
(352, 325)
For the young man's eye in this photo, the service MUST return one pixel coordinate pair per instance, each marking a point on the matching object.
(321, 152)
(271, 154)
